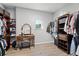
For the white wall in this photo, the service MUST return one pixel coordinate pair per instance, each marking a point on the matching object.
(12, 12)
(70, 8)
(2, 6)
(30, 16)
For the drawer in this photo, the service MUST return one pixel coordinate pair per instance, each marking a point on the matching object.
(62, 37)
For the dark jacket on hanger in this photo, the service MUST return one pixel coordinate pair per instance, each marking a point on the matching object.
(76, 25)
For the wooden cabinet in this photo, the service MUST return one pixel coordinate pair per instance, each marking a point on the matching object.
(64, 39)
(30, 38)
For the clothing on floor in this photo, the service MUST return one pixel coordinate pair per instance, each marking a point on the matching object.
(14, 44)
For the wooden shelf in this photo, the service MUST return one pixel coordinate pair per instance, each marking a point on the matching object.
(13, 29)
(61, 28)
(63, 47)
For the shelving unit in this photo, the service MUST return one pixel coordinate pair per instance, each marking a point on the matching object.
(6, 18)
(9, 31)
(5, 29)
(64, 39)
(1, 16)
(12, 30)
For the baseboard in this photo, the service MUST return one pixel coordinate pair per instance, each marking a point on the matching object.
(44, 42)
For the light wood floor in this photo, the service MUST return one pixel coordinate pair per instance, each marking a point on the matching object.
(38, 50)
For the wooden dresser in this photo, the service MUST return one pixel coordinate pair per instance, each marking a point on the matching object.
(29, 37)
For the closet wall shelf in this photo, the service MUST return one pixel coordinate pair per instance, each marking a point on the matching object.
(12, 29)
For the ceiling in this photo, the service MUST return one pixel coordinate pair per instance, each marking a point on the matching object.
(47, 7)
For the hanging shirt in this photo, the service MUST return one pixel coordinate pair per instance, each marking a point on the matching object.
(65, 26)
(4, 22)
(1, 24)
(0, 51)
(4, 25)
(77, 53)
(72, 48)
(5, 43)
(76, 24)
(72, 25)
(2, 44)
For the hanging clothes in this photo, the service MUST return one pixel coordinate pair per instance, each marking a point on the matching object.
(4, 22)
(74, 45)
(72, 48)
(5, 43)
(72, 22)
(2, 43)
(65, 26)
(0, 49)
(1, 24)
(2, 52)
(73, 28)
(77, 53)
(76, 24)
(76, 27)
(50, 27)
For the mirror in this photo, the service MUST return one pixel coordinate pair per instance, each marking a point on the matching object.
(26, 29)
